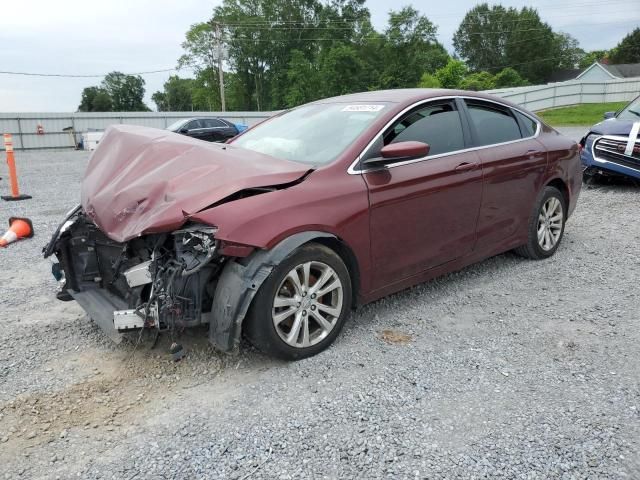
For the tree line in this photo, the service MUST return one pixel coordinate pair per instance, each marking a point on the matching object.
(282, 53)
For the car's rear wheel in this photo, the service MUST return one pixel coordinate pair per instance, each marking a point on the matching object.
(302, 306)
(546, 225)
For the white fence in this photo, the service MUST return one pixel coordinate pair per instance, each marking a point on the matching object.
(24, 126)
(542, 97)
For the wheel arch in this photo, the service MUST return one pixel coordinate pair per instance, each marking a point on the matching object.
(562, 187)
(241, 279)
(344, 251)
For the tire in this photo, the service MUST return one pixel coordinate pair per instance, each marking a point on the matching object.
(549, 204)
(272, 328)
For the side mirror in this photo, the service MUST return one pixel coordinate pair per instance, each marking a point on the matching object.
(184, 130)
(398, 152)
(608, 115)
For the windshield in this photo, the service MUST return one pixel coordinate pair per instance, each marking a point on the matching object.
(177, 124)
(631, 112)
(313, 134)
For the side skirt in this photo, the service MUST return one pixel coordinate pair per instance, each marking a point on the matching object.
(452, 266)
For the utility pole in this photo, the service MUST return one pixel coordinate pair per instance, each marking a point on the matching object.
(218, 37)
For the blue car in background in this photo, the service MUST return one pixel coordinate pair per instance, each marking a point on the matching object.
(612, 147)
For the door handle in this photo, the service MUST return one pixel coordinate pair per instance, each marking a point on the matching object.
(532, 153)
(466, 167)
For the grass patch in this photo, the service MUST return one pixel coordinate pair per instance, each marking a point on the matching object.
(585, 114)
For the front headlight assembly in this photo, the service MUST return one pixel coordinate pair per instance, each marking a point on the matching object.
(195, 247)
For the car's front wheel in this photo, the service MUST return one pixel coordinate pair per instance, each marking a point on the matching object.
(302, 306)
(546, 225)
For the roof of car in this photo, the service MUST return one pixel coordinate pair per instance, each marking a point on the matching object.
(410, 95)
(203, 118)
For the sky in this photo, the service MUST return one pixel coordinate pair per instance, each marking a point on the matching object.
(99, 36)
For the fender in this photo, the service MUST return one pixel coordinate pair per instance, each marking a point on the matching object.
(239, 282)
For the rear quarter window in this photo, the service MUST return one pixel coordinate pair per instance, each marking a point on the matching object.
(527, 125)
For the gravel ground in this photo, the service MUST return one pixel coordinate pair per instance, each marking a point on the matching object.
(507, 369)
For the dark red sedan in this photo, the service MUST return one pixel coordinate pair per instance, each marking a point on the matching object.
(279, 234)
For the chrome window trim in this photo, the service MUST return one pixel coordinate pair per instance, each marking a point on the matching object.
(205, 128)
(602, 160)
(352, 170)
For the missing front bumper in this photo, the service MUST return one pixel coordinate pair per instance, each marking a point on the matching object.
(100, 305)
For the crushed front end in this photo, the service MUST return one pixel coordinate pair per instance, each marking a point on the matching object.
(163, 281)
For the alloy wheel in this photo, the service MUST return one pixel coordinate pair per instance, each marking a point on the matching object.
(550, 221)
(307, 304)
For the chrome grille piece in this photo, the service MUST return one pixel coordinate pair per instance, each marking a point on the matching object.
(612, 149)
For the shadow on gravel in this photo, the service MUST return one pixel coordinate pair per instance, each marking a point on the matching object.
(617, 183)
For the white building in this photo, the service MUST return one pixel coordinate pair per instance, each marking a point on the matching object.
(601, 72)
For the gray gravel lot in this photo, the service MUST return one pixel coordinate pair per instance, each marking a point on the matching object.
(507, 369)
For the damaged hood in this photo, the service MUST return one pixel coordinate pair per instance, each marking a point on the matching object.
(143, 180)
(612, 127)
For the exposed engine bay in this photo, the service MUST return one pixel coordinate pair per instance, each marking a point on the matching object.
(137, 253)
(164, 281)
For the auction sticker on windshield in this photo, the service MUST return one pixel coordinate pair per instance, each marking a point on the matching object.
(363, 108)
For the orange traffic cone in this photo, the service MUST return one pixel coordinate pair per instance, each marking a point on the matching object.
(13, 176)
(18, 228)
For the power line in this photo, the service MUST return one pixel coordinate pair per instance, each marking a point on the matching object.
(331, 39)
(327, 25)
(548, 27)
(65, 75)
(538, 8)
(517, 64)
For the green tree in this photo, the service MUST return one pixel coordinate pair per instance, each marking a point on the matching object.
(262, 35)
(478, 81)
(102, 102)
(341, 71)
(452, 74)
(482, 36)
(531, 47)
(176, 95)
(201, 55)
(284, 52)
(492, 38)
(304, 83)
(591, 57)
(206, 90)
(95, 99)
(126, 92)
(411, 48)
(429, 81)
(508, 77)
(568, 51)
(628, 50)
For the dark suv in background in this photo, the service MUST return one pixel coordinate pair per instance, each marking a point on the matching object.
(209, 129)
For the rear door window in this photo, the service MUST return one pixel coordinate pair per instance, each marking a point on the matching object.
(213, 123)
(193, 124)
(492, 123)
